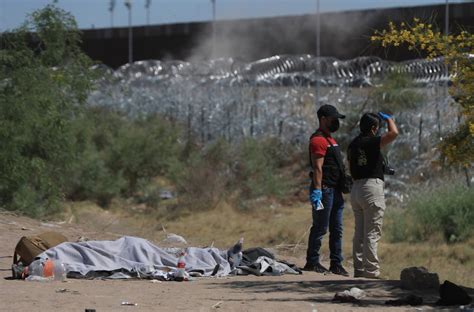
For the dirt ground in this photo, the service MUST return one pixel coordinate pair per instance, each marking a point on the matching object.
(308, 292)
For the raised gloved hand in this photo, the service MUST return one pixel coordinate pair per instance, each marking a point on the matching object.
(315, 197)
(384, 116)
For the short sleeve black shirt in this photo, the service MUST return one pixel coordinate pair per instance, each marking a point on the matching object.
(365, 158)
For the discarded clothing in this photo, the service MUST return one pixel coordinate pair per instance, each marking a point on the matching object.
(260, 261)
(251, 255)
(266, 266)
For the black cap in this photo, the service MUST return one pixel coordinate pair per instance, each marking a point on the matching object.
(329, 111)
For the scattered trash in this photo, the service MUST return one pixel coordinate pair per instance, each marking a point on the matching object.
(181, 273)
(19, 271)
(217, 305)
(59, 271)
(65, 290)
(35, 278)
(352, 295)
(89, 310)
(25, 229)
(411, 299)
(154, 281)
(126, 303)
(46, 270)
(357, 293)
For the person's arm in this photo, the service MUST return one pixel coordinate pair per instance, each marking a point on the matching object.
(389, 136)
(317, 170)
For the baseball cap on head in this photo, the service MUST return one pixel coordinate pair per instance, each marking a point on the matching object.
(329, 111)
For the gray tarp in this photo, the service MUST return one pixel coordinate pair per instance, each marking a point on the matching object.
(135, 254)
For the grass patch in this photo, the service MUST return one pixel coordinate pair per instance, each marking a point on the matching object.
(282, 228)
(445, 214)
(453, 262)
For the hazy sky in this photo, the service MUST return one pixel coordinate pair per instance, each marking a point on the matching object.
(95, 13)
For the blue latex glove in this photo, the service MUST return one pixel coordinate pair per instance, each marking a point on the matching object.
(315, 197)
(384, 116)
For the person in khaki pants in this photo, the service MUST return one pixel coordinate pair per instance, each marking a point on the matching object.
(366, 165)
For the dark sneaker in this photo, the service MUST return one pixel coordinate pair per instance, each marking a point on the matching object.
(308, 267)
(338, 270)
(315, 268)
(320, 269)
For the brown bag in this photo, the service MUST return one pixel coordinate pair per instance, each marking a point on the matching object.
(31, 246)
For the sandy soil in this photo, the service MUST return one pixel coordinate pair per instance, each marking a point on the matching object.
(307, 292)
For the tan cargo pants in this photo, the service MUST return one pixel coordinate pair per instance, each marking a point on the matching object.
(368, 203)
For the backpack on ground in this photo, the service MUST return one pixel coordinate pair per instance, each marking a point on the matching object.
(31, 246)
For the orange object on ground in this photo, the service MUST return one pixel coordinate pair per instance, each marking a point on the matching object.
(48, 268)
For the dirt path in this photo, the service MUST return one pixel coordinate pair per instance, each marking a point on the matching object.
(307, 292)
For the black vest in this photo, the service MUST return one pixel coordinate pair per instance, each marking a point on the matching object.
(331, 170)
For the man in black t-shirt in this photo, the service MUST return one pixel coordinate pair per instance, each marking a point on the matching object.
(367, 196)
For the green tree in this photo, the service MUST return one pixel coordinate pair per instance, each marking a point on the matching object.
(458, 51)
(44, 82)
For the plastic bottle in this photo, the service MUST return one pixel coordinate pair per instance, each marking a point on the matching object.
(59, 271)
(42, 270)
(181, 273)
(39, 271)
(36, 268)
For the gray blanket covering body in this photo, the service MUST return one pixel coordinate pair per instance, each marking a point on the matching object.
(137, 255)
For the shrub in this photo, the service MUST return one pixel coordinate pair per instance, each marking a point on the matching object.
(447, 212)
(144, 149)
(206, 177)
(258, 168)
(90, 177)
(249, 169)
(120, 154)
(43, 87)
(396, 226)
